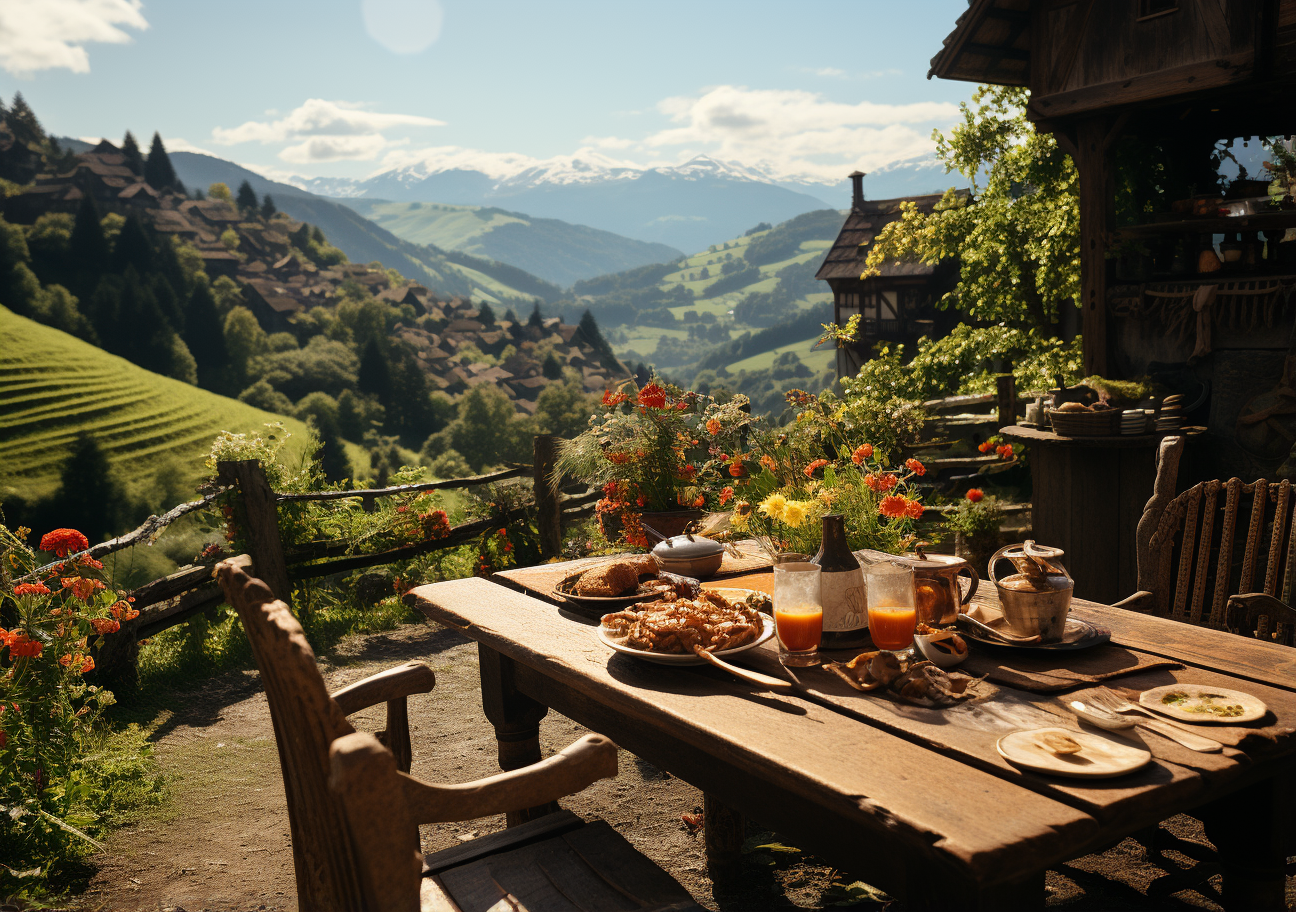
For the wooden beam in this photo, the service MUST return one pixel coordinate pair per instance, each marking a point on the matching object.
(1096, 198)
(999, 53)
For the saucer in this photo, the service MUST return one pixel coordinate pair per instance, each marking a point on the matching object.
(1077, 634)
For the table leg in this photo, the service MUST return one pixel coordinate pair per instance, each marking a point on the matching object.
(930, 890)
(1251, 831)
(516, 718)
(723, 832)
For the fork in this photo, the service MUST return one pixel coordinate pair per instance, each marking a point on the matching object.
(1110, 700)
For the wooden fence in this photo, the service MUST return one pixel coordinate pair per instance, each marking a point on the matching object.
(176, 598)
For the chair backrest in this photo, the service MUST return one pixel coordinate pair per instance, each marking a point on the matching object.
(306, 721)
(1191, 551)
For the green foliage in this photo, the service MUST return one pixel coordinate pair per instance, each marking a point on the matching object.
(246, 200)
(785, 240)
(134, 158)
(220, 191)
(487, 432)
(563, 409)
(322, 366)
(1017, 240)
(158, 170)
(972, 517)
(265, 397)
(244, 340)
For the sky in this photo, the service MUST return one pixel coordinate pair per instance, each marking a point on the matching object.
(351, 88)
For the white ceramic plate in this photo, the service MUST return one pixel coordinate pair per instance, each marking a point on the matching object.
(1252, 707)
(1098, 758)
(667, 658)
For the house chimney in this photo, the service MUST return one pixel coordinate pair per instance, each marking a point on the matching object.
(857, 189)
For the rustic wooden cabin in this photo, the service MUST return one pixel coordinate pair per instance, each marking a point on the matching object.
(1188, 266)
(899, 305)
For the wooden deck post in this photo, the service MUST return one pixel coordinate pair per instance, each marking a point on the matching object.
(1093, 164)
(262, 518)
(1007, 391)
(548, 503)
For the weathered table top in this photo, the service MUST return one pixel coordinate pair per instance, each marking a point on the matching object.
(827, 763)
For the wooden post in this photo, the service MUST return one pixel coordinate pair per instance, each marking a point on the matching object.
(262, 517)
(723, 832)
(1007, 390)
(1093, 164)
(548, 503)
(516, 718)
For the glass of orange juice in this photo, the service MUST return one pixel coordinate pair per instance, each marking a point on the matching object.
(798, 611)
(891, 613)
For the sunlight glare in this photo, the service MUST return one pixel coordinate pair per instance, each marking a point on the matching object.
(403, 26)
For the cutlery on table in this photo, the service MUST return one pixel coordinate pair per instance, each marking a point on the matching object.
(751, 677)
(999, 636)
(1108, 701)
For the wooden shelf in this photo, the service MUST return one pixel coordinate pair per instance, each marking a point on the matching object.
(1264, 221)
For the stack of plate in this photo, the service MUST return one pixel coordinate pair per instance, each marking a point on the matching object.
(1170, 418)
(1133, 421)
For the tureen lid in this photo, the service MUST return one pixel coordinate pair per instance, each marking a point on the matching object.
(684, 547)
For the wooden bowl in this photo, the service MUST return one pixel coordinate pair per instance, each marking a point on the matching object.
(1103, 423)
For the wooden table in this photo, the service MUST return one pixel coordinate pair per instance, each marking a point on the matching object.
(914, 800)
(1088, 494)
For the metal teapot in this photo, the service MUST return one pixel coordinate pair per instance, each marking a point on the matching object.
(939, 596)
(1037, 598)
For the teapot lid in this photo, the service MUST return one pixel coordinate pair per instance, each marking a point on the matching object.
(684, 547)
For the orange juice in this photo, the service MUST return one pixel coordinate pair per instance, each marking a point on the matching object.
(799, 627)
(892, 626)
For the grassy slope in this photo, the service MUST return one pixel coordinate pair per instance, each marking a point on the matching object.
(54, 386)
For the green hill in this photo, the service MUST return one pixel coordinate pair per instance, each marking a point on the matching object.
(554, 250)
(53, 387)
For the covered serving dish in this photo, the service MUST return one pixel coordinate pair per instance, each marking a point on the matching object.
(689, 555)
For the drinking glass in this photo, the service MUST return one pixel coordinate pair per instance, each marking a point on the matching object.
(798, 611)
(891, 612)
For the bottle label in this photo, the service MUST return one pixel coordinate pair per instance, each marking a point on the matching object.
(845, 604)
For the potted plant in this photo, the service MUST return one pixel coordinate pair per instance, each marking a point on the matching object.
(661, 455)
(975, 523)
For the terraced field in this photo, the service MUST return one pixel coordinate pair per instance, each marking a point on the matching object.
(54, 387)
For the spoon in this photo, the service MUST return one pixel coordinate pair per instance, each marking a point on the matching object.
(1113, 722)
(751, 677)
(966, 620)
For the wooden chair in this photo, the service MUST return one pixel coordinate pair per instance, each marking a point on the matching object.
(353, 818)
(1194, 565)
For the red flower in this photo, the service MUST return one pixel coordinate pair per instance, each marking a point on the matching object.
(82, 587)
(618, 458)
(726, 494)
(402, 508)
(712, 426)
(914, 509)
(814, 467)
(862, 452)
(1005, 451)
(652, 396)
(22, 646)
(736, 469)
(88, 666)
(893, 506)
(123, 612)
(64, 542)
(611, 399)
(975, 495)
(105, 625)
(89, 561)
(699, 501)
(880, 483)
(986, 446)
(913, 465)
(503, 533)
(435, 524)
(30, 589)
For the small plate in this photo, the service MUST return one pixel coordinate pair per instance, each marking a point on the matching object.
(1098, 758)
(1252, 707)
(671, 658)
(1077, 634)
(604, 603)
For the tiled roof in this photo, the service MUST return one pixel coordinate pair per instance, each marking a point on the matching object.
(845, 259)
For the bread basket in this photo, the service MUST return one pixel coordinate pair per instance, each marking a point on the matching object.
(1102, 423)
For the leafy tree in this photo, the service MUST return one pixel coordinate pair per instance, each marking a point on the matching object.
(1017, 238)
(220, 191)
(198, 193)
(134, 158)
(552, 368)
(246, 199)
(487, 432)
(158, 171)
(564, 409)
(321, 412)
(90, 497)
(359, 415)
(229, 239)
(374, 378)
(268, 209)
(264, 396)
(133, 247)
(244, 340)
(324, 365)
(206, 338)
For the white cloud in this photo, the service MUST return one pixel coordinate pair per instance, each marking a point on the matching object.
(49, 34)
(325, 131)
(791, 134)
(180, 144)
(830, 71)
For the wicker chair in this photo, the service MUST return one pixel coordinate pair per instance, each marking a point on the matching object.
(354, 812)
(1193, 564)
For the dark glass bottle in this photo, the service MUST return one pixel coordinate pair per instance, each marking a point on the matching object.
(841, 589)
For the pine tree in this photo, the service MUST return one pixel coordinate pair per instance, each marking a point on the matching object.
(317, 236)
(536, 320)
(205, 337)
(22, 121)
(246, 199)
(486, 316)
(88, 248)
(374, 377)
(133, 247)
(198, 193)
(158, 170)
(134, 157)
(301, 237)
(90, 498)
(268, 209)
(551, 369)
(510, 316)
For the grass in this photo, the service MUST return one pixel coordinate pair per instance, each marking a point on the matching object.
(818, 360)
(444, 226)
(53, 387)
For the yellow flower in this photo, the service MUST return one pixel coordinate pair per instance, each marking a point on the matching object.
(794, 512)
(773, 505)
(738, 521)
(827, 496)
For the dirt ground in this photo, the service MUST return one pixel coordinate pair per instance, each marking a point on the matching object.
(222, 842)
